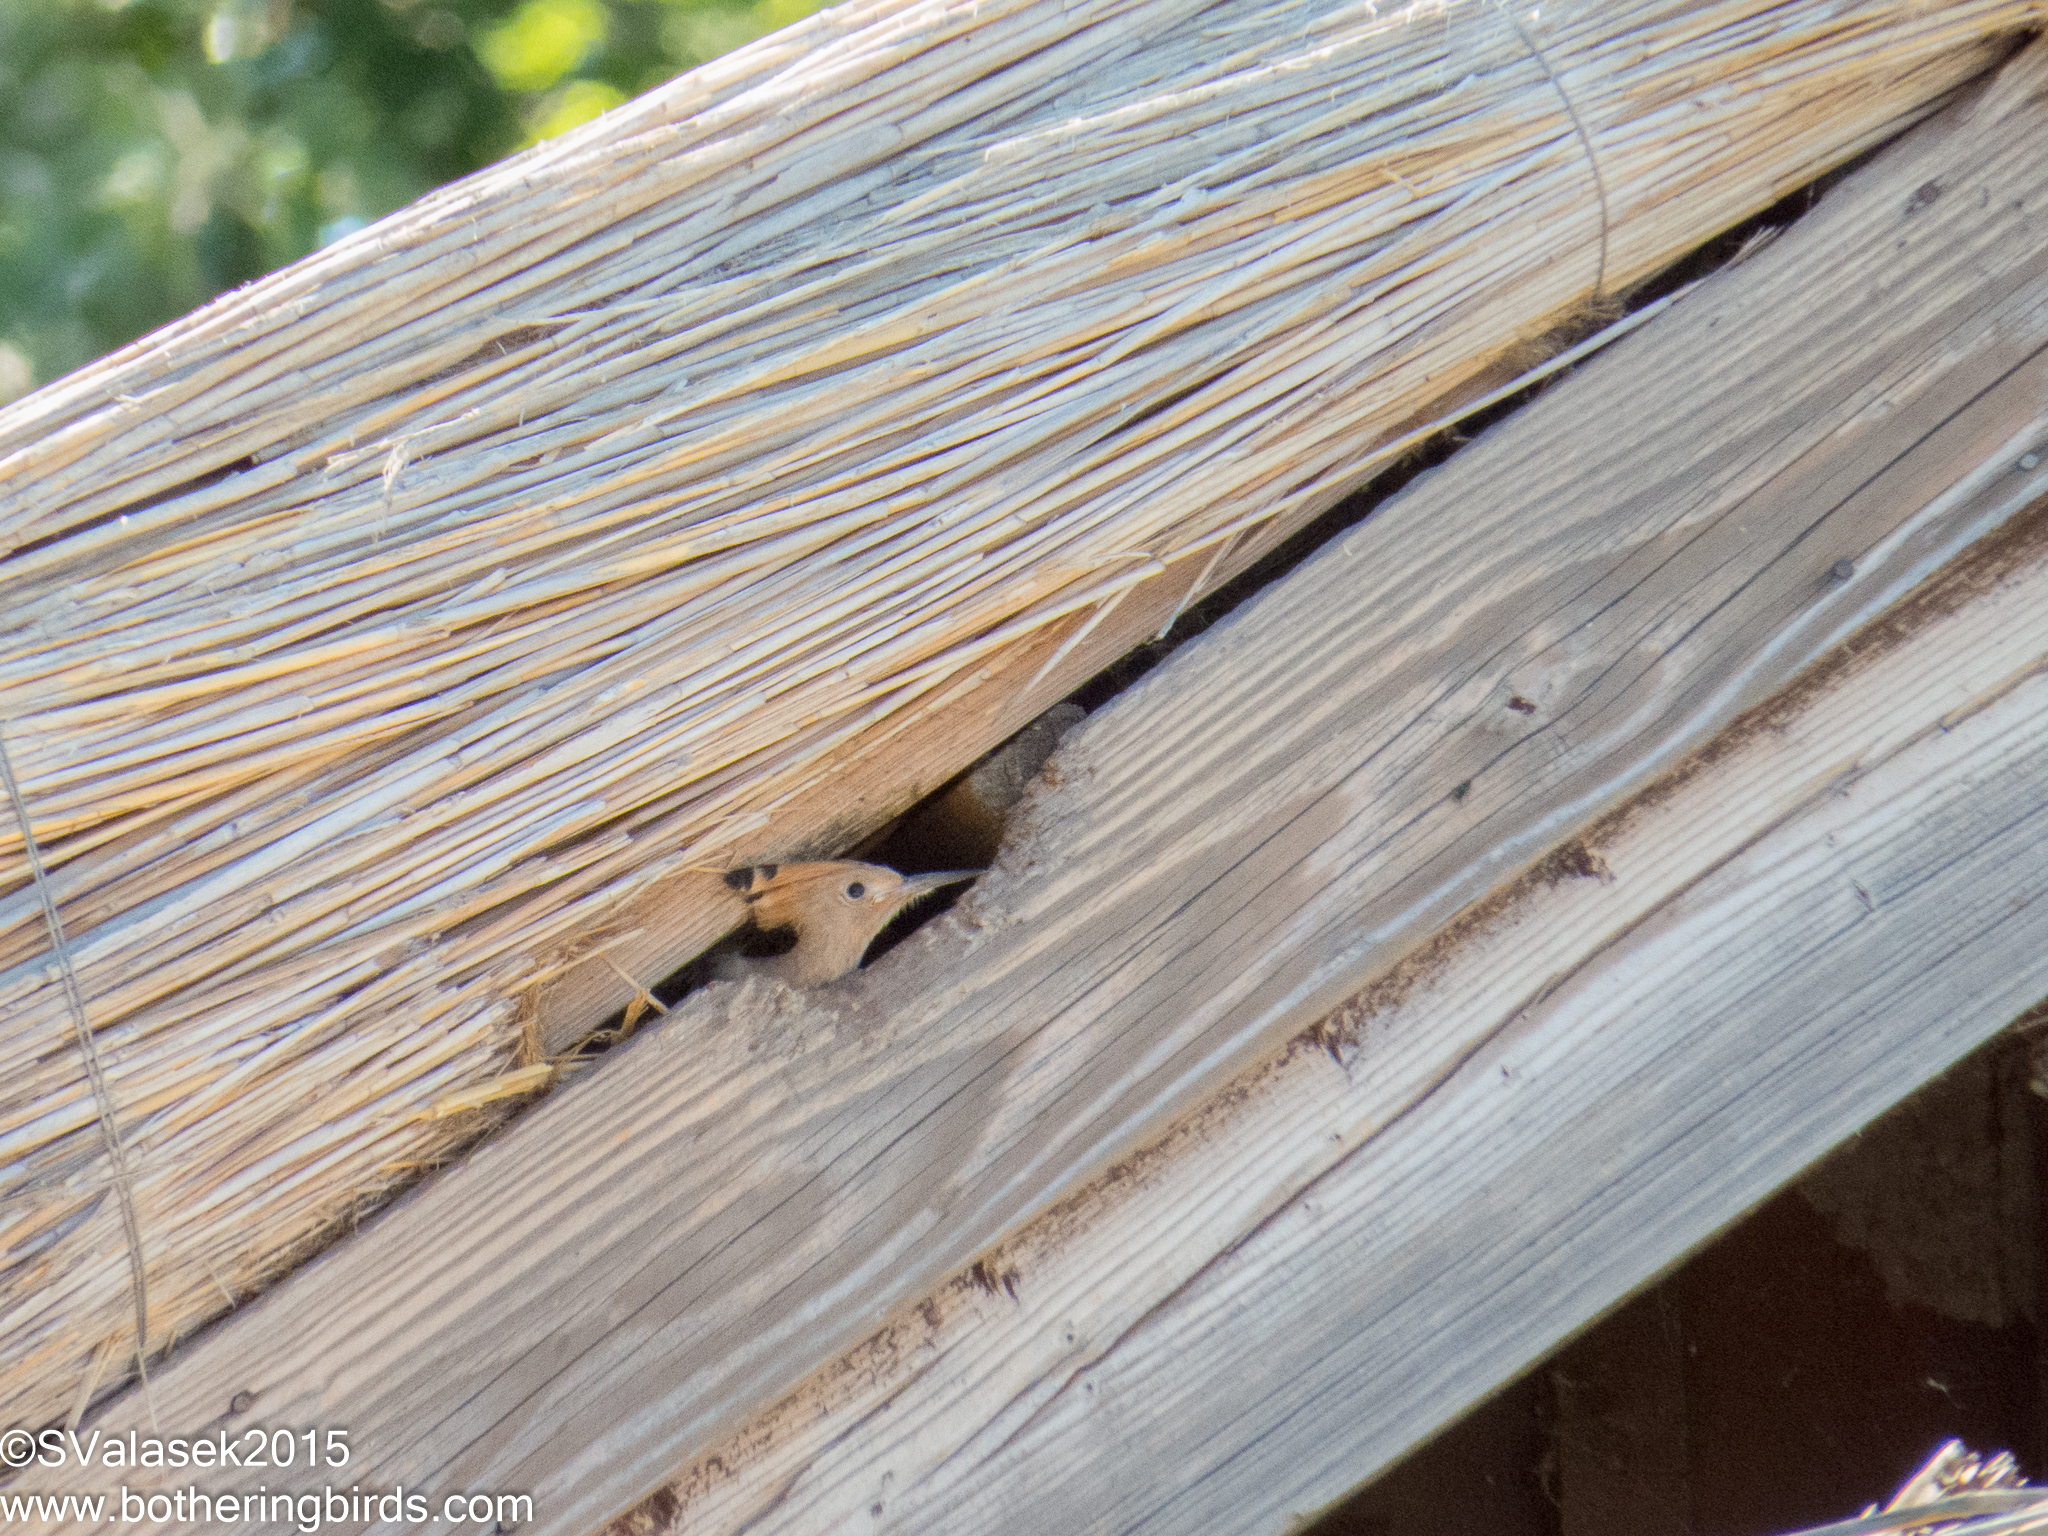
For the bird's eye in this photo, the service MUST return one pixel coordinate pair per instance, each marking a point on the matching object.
(856, 890)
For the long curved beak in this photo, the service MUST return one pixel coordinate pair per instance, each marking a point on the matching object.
(915, 886)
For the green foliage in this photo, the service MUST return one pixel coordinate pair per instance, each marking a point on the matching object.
(156, 152)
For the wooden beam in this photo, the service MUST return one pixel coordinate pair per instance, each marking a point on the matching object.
(1388, 984)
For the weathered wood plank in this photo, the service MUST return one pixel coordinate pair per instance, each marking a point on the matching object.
(1058, 1214)
(1629, 1108)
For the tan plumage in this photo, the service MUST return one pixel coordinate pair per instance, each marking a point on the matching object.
(836, 906)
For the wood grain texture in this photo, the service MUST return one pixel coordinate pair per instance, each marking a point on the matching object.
(1392, 979)
(384, 640)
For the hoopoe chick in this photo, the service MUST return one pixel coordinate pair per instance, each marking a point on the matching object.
(836, 906)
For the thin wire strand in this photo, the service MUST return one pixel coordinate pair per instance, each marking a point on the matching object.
(110, 1130)
(1585, 140)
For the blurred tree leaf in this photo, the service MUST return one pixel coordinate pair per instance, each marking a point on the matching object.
(154, 153)
(541, 42)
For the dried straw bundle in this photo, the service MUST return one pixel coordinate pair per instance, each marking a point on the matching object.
(374, 632)
(1956, 1492)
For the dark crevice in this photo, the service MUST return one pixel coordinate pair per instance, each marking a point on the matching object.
(491, 351)
(1360, 504)
(1131, 423)
(129, 509)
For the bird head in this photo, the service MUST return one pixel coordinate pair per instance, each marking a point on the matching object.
(836, 906)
